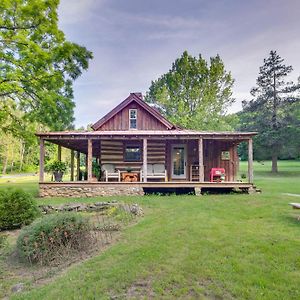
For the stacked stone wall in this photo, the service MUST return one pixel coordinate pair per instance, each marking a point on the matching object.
(89, 191)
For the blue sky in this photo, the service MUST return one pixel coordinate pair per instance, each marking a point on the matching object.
(135, 41)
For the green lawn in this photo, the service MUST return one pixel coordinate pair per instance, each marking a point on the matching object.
(189, 247)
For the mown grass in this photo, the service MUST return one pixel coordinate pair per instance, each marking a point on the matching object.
(189, 247)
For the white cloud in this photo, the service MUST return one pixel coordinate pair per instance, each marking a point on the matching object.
(74, 11)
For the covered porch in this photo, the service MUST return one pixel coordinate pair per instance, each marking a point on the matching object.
(133, 161)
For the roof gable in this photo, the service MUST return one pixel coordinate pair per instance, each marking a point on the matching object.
(137, 98)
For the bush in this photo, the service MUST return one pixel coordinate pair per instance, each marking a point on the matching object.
(56, 166)
(53, 237)
(17, 208)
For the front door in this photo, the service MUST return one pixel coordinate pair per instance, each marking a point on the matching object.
(178, 161)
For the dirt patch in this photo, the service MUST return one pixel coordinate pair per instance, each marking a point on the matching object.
(141, 289)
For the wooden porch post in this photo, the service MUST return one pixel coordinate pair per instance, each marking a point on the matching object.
(201, 164)
(77, 165)
(59, 152)
(42, 159)
(90, 159)
(250, 160)
(145, 159)
(72, 165)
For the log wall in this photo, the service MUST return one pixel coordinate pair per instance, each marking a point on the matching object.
(112, 151)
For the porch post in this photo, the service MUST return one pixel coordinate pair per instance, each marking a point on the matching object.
(250, 160)
(201, 165)
(77, 165)
(72, 165)
(89, 159)
(145, 159)
(42, 158)
(59, 152)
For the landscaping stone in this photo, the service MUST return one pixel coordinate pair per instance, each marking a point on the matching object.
(19, 287)
(134, 209)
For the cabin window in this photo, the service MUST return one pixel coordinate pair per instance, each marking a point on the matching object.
(132, 118)
(225, 155)
(133, 153)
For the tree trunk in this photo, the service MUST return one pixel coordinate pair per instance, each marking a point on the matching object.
(5, 161)
(274, 163)
(22, 150)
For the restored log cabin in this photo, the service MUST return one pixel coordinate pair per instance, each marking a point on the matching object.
(138, 149)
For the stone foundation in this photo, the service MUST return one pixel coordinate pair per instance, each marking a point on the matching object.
(89, 191)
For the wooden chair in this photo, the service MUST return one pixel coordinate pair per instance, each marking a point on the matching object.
(110, 171)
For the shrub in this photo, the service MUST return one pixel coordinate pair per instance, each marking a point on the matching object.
(56, 166)
(52, 237)
(17, 208)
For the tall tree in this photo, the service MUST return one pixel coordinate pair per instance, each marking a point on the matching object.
(194, 93)
(271, 111)
(37, 64)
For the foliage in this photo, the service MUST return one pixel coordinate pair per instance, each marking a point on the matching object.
(274, 110)
(37, 64)
(44, 239)
(3, 240)
(96, 170)
(194, 93)
(17, 208)
(57, 166)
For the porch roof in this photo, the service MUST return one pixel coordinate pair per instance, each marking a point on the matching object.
(180, 133)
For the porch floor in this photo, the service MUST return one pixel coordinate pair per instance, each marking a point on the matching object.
(149, 184)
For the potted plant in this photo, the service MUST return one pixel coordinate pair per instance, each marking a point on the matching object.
(57, 168)
(129, 169)
(96, 170)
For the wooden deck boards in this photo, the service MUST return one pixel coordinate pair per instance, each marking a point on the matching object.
(169, 184)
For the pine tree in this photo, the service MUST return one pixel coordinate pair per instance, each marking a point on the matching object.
(270, 111)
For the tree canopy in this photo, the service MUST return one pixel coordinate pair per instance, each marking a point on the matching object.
(274, 109)
(37, 69)
(37, 64)
(194, 93)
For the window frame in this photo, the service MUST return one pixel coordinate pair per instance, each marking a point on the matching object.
(138, 146)
(130, 118)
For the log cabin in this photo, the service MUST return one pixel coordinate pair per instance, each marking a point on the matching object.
(139, 150)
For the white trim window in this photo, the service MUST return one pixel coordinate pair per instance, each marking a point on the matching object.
(132, 118)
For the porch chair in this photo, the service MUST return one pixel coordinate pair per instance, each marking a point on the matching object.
(155, 171)
(110, 172)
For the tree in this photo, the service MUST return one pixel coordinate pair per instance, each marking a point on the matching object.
(37, 64)
(194, 94)
(272, 110)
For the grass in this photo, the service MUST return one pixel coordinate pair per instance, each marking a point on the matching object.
(189, 247)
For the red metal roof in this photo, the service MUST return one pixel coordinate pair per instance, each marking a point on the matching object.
(174, 132)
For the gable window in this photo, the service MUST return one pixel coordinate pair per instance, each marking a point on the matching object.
(132, 118)
(132, 153)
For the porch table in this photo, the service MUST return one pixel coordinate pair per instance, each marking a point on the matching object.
(129, 176)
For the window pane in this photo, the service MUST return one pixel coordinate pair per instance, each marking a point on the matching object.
(133, 123)
(132, 153)
(133, 114)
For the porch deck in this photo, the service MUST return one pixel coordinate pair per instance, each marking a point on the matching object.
(169, 184)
